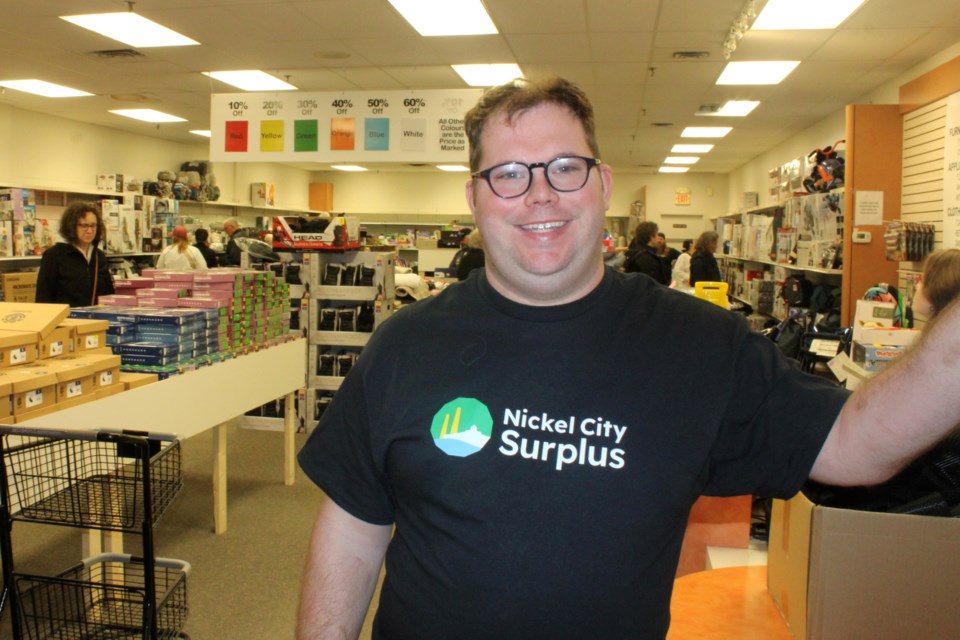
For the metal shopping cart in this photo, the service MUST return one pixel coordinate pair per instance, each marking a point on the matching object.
(95, 480)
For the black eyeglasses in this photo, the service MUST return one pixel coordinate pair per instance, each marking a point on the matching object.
(513, 179)
(87, 225)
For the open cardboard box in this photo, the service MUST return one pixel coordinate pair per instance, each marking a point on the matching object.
(840, 574)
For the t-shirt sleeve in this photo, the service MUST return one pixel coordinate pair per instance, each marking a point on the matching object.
(774, 424)
(338, 456)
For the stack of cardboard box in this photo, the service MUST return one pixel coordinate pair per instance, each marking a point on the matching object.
(50, 362)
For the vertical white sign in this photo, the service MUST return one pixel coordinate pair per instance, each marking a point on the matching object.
(951, 174)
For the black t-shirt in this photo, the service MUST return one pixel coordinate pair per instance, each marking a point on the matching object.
(537, 490)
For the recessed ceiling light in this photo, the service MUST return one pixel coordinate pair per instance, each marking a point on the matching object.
(347, 167)
(131, 29)
(691, 148)
(446, 17)
(705, 132)
(673, 169)
(452, 167)
(201, 132)
(812, 14)
(147, 115)
(251, 80)
(487, 75)
(681, 160)
(732, 108)
(768, 72)
(42, 88)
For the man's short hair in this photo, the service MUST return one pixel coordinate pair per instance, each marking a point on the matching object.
(231, 222)
(520, 95)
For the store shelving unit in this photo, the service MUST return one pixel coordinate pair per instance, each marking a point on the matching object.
(102, 481)
(350, 294)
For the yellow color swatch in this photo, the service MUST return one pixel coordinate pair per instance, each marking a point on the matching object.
(271, 135)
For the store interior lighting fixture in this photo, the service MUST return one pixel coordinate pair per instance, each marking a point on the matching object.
(347, 167)
(147, 115)
(132, 29)
(779, 15)
(487, 75)
(206, 133)
(251, 80)
(705, 132)
(691, 148)
(452, 168)
(446, 17)
(43, 88)
(673, 169)
(681, 160)
(731, 108)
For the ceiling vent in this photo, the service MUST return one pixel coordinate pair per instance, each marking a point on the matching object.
(708, 109)
(690, 55)
(661, 124)
(118, 54)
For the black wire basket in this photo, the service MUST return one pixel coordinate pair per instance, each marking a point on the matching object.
(93, 484)
(104, 598)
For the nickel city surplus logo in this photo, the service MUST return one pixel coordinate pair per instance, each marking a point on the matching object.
(462, 427)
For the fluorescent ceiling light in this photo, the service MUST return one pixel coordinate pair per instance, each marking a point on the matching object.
(130, 28)
(487, 75)
(673, 169)
(347, 167)
(691, 148)
(201, 132)
(769, 72)
(42, 88)
(251, 80)
(446, 17)
(732, 108)
(452, 167)
(147, 115)
(811, 14)
(705, 132)
(681, 160)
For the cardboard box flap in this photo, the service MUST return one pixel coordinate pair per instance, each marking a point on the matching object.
(37, 317)
(96, 361)
(63, 369)
(86, 325)
(23, 379)
(17, 338)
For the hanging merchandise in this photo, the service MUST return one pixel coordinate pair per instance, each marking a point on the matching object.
(828, 169)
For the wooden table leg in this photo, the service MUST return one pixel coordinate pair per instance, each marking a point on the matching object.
(289, 448)
(220, 478)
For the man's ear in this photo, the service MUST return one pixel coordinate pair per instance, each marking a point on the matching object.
(606, 184)
(471, 197)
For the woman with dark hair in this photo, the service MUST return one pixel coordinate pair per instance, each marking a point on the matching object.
(203, 246)
(703, 266)
(642, 254)
(76, 272)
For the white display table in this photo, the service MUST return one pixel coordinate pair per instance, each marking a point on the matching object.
(191, 403)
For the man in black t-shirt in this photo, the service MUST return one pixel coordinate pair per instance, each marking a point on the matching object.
(513, 483)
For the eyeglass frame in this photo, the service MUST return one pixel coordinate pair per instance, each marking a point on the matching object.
(485, 174)
(88, 225)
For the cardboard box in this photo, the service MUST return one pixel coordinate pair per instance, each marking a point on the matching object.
(18, 347)
(106, 392)
(105, 367)
(837, 574)
(890, 336)
(132, 380)
(74, 378)
(875, 357)
(58, 343)
(41, 318)
(31, 389)
(6, 399)
(20, 286)
(89, 333)
(293, 232)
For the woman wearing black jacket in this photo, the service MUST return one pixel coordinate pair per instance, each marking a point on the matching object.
(703, 266)
(75, 272)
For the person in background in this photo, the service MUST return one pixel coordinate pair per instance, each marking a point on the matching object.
(202, 238)
(514, 483)
(181, 255)
(680, 275)
(455, 261)
(940, 283)
(76, 272)
(703, 265)
(232, 253)
(642, 254)
(473, 257)
(667, 253)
